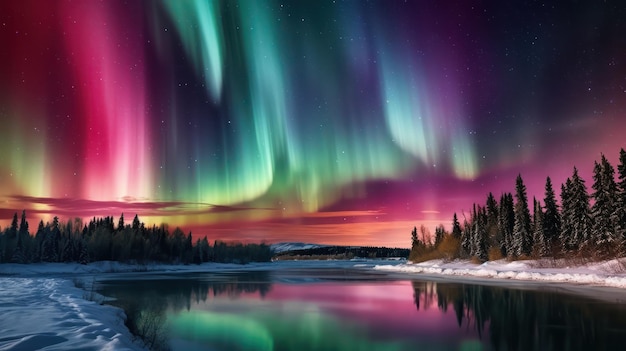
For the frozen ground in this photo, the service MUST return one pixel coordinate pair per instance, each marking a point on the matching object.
(40, 307)
(51, 314)
(608, 273)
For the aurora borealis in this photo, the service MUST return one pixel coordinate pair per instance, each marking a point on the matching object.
(323, 121)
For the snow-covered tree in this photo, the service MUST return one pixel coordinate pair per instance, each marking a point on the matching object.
(494, 236)
(480, 239)
(604, 211)
(506, 222)
(540, 247)
(522, 235)
(576, 214)
(466, 239)
(567, 217)
(551, 218)
(621, 195)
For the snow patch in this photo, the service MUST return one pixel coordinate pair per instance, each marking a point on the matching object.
(51, 313)
(607, 273)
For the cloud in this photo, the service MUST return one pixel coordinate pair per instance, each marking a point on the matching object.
(72, 207)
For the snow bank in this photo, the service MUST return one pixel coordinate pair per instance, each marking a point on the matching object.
(608, 273)
(51, 313)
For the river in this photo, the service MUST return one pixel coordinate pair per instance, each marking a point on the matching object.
(348, 309)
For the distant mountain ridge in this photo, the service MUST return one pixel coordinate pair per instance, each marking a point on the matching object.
(297, 250)
(291, 246)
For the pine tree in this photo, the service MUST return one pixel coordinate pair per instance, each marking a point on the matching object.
(551, 219)
(13, 229)
(480, 246)
(580, 215)
(494, 235)
(23, 247)
(120, 223)
(506, 222)
(522, 236)
(136, 223)
(440, 232)
(48, 253)
(567, 216)
(466, 239)
(23, 225)
(414, 240)
(605, 225)
(621, 197)
(83, 254)
(540, 247)
(456, 227)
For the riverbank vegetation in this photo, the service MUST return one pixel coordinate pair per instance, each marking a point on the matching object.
(102, 240)
(584, 225)
(342, 253)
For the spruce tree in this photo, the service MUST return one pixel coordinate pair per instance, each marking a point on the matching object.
(466, 239)
(136, 223)
(580, 214)
(506, 222)
(540, 247)
(567, 216)
(13, 229)
(23, 225)
(621, 195)
(494, 235)
(440, 232)
(414, 240)
(551, 218)
(456, 227)
(522, 236)
(480, 245)
(604, 210)
(120, 223)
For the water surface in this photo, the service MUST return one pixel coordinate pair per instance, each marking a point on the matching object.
(351, 309)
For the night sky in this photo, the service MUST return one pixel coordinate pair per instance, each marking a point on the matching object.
(323, 121)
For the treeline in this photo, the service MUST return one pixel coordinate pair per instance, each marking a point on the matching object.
(583, 225)
(344, 252)
(102, 240)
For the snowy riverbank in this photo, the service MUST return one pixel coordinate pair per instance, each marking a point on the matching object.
(607, 273)
(52, 313)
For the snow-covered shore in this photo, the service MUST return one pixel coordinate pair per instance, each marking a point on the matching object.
(52, 313)
(607, 273)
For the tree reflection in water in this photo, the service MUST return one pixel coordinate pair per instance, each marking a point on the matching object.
(146, 303)
(515, 319)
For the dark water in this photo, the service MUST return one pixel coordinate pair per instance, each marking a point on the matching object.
(358, 310)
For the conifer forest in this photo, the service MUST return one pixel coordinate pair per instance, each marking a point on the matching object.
(588, 223)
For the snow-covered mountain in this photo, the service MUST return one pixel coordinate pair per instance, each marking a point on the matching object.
(284, 247)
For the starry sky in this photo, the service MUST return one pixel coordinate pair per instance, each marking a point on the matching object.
(343, 122)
